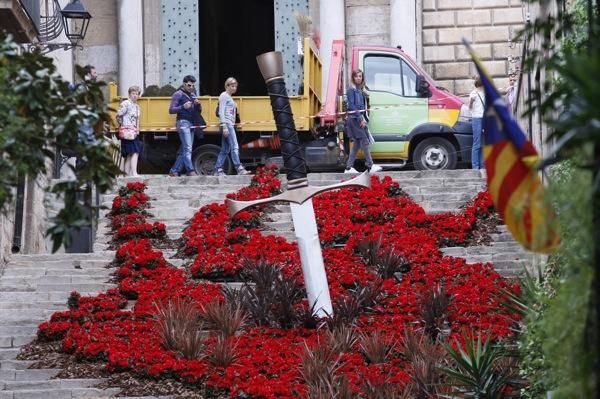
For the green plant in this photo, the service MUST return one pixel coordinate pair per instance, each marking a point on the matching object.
(434, 308)
(375, 348)
(180, 328)
(556, 357)
(341, 339)
(478, 370)
(223, 351)
(385, 261)
(73, 301)
(317, 367)
(40, 115)
(425, 356)
(224, 316)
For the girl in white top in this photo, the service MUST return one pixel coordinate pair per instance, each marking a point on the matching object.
(477, 107)
(229, 144)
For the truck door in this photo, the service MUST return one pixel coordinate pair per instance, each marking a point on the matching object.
(395, 103)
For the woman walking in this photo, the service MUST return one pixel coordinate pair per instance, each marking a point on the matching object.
(356, 123)
(128, 117)
(229, 144)
(477, 107)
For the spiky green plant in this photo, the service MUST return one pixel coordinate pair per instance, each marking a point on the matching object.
(475, 370)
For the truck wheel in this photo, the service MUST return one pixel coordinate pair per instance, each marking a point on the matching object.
(434, 153)
(204, 159)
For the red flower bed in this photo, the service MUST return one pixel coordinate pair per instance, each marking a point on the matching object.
(268, 358)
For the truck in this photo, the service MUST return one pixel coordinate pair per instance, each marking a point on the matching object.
(412, 121)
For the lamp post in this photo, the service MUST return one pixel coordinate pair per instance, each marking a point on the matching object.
(75, 12)
(74, 20)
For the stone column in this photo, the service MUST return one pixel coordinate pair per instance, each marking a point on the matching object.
(403, 25)
(332, 25)
(131, 45)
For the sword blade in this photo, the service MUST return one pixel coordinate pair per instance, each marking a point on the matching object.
(311, 257)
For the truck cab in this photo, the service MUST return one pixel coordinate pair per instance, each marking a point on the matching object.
(411, 120)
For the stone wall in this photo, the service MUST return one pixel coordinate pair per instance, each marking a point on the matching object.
(488, 24)
(33, 239)
(100, 47)
(367, 22)
(7, 225)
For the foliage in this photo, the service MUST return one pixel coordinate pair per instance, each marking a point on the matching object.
(40, 114)
(478, 370)
(571, 60)
(555, 356)
(434, 308)
(425, 357)
(225, 317)
(567, 350)
(179, 327)
(263, 359)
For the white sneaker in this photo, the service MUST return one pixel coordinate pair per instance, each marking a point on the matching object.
(376, 168)
(242, 171)
(350, 170)
(219, 172)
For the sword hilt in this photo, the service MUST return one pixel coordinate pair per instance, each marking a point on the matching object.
(271, 67)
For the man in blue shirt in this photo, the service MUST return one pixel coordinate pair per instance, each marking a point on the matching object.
(186, 105)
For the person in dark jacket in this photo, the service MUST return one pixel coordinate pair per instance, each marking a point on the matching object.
(186, 105)
(356, 123)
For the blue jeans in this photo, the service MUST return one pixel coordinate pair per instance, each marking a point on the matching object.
(184, 155)
(476, 153)
(360, 144)
(228, 145)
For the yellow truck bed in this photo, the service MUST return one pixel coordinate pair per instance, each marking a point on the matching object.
(255, 111)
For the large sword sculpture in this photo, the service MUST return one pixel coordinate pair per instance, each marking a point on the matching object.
(299, 194)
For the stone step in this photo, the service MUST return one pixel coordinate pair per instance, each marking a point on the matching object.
(441, 206)
(282, 225)
(18, 306)
(28, 375)
(471, 189)
(61, 393)
(52, 296)
(9, 353)
(15, 341)
(43, 287)
(12, 364)
(157, 180)
(64, 279)
(442, 197)
(44, 272)
(64, 257)
(8, 330)
(51, 384)
(26, 318)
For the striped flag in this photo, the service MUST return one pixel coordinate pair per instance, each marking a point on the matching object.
(513, 181)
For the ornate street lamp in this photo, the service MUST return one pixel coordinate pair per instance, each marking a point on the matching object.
(74, 20)
(76, 13)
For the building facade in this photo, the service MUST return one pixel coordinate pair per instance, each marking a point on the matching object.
(157, 42)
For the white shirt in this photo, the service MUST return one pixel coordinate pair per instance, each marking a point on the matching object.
(478, 98)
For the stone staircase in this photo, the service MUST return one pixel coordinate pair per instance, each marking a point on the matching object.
(32, 287)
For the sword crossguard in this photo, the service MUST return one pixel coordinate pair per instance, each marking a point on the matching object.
(299, 195)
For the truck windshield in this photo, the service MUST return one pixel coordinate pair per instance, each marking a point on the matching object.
(390, 74)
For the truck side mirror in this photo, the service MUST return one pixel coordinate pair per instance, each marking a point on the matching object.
(423, 86)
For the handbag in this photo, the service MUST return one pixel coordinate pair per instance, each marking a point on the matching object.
(128, 132)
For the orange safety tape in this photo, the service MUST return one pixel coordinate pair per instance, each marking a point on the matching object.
(171, 129)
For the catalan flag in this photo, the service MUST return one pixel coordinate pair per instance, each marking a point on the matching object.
(513, 181)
